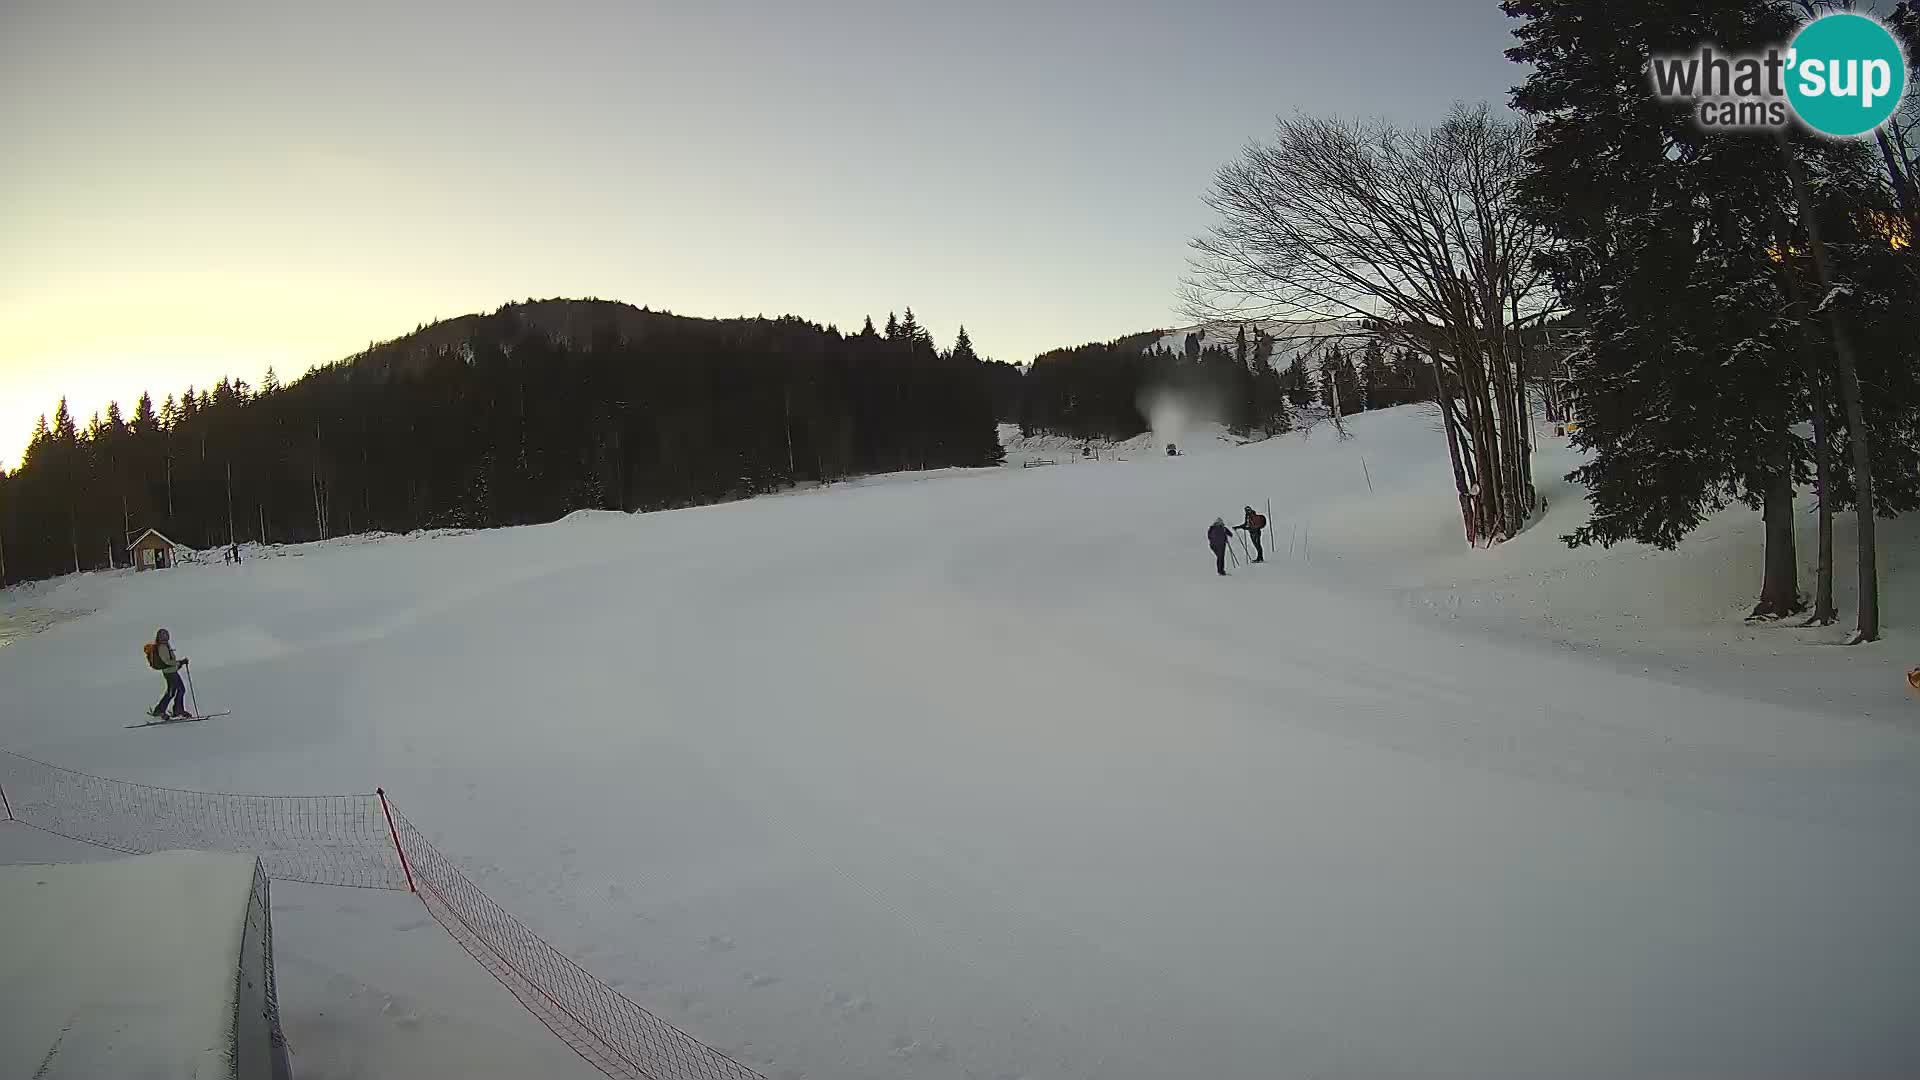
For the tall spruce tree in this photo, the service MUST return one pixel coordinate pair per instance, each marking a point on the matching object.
(1269, 396)
(963, 348)
(1689, 382)
(1298, 382)
(1340, 381)
(915, 334)
(64, 431)
(1375, 378)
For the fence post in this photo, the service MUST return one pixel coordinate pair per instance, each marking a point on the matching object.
(395, 833)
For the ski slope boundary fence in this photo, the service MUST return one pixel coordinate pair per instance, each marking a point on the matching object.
(363, 842)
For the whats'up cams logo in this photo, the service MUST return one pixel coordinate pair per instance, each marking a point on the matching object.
(1842, 75)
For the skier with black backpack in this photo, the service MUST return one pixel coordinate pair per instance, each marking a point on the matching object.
(1254, 523)
(160, 658)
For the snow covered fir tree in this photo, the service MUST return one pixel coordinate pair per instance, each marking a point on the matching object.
(1745, 299)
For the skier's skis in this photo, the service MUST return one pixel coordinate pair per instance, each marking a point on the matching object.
(181, 719)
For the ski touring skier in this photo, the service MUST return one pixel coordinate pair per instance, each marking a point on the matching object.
(1217, 536)
(1253, 524)
(161, 658)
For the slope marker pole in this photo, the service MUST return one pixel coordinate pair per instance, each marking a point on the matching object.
(395, 833)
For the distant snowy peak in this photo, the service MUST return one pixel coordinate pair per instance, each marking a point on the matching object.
(1291, 337)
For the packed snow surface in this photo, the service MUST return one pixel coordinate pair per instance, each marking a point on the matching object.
(990, 776)
(122, 968)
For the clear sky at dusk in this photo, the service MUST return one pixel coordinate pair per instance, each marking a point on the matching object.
(195, 188)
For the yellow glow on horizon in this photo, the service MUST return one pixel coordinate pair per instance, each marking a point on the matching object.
(122, 334)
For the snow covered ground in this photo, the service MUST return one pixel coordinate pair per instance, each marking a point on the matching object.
(127, 968)
(989, 776)
(1041, 448)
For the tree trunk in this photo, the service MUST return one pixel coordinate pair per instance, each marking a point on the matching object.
(1453, 452)
(1824, 613)
(1780, 587)
(1896, 174)
(1847, 372)
(786, 408)
(1530, 496)
(1472, 453)
(1486, 458)
(1505, 422)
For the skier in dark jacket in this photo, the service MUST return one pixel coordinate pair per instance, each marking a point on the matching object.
(1254, 523)
(1217, 536)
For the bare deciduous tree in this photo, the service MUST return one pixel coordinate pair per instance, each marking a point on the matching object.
(1420, 231)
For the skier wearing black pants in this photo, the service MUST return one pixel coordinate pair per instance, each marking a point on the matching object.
(1254, 523)
(1217, 536)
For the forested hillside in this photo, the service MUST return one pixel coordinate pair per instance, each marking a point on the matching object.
(518, 416)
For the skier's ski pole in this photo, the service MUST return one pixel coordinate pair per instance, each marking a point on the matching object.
(187, 670)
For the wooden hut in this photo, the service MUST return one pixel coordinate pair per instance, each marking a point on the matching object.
(151, 551)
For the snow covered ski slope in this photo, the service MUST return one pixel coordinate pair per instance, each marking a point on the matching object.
(987, 775)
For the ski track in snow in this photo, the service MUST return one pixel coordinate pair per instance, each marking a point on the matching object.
(993, 778)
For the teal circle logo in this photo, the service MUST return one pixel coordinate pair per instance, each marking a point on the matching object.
(1846, 75)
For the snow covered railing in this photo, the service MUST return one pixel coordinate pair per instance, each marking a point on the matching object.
(359, 840)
